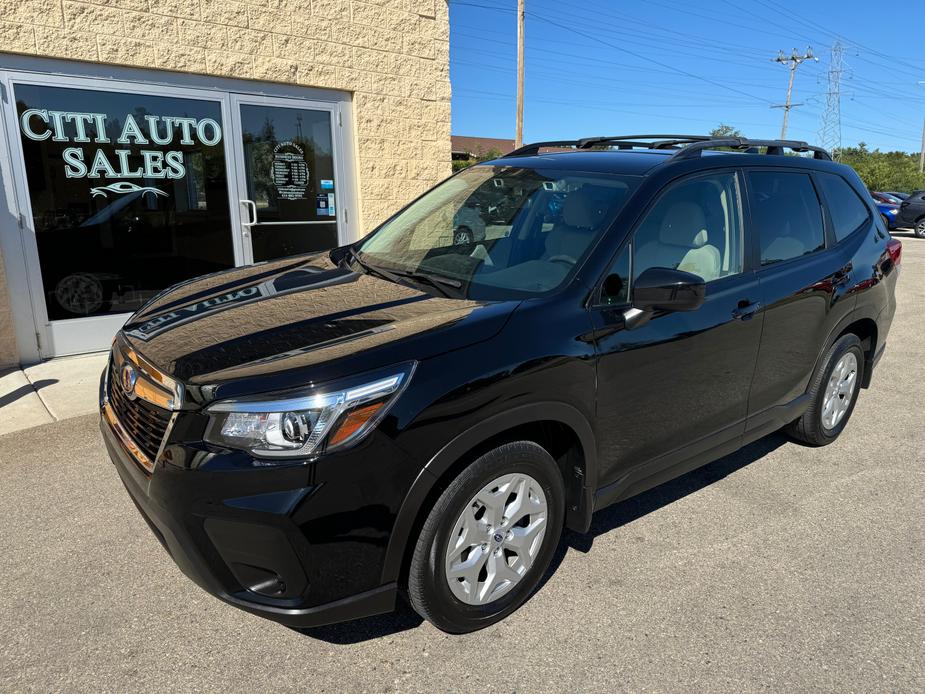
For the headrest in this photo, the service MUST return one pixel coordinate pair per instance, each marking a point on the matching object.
(581, 211)
(683, 225)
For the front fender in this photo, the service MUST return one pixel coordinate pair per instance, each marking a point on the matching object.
(578, 513)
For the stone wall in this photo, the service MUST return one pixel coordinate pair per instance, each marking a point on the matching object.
(393, 55)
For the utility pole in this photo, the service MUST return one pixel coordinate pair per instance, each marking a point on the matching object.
(519, 136)
(793, 61)
(830, 132)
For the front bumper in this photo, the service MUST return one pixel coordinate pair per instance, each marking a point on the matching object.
(303, 545)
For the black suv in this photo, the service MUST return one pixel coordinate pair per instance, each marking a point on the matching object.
(912, 212)
(312, 436)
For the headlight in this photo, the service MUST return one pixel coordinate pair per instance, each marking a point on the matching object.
(298, 424)
(894, 211)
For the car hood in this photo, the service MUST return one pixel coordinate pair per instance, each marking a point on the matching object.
(253, 329)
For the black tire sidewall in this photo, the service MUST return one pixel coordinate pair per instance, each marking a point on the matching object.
(444, 609)
(848, 343)
(919, 228)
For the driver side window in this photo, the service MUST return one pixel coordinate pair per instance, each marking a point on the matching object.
(695, 227)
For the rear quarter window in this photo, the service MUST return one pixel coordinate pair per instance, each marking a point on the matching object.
(846, 208)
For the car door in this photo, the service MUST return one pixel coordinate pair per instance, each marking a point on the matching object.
(912, 207)
(804, 287)
(676, 387)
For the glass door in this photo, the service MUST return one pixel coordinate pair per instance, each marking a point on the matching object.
(127, 191)
(288, 176)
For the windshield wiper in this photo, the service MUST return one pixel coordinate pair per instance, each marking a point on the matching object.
(397, 276)
(438, 282)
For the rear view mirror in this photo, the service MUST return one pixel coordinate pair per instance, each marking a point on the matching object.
(663, 289)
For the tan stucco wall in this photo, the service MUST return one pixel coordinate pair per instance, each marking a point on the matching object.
(393, 55)
(8, 354)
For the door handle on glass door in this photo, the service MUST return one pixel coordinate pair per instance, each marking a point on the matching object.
(251, 208)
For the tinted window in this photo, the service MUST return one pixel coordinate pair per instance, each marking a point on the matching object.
(693, 227)
(129, 194)
(848, 211)
(786, 214)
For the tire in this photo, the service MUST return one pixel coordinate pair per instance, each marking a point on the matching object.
(920, 228)
(886, 222)
(462, 236)
(488, 596)
(817, 427)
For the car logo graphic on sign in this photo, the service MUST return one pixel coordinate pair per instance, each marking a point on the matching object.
(128, 377)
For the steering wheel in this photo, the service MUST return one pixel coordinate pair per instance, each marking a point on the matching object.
(562, 259)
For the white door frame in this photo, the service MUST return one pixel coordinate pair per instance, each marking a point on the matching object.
(38, 338)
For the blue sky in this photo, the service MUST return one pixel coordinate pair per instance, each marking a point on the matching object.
(599, 67)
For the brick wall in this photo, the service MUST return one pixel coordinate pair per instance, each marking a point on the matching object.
(392, 54)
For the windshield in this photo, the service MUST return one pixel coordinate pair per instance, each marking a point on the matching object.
(498, 232)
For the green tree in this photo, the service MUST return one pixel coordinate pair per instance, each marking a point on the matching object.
(460, 164)
(883, 170)
(723, 130)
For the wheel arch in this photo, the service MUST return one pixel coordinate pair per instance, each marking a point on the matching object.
(864, 326)
(560, 428)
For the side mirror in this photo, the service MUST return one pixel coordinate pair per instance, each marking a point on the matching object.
(663, 289)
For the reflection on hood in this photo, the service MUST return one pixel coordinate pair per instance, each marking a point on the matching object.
(293, 314)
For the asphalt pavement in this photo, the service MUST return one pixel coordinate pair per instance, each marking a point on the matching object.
(780, 568)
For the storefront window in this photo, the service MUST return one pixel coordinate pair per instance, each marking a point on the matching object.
(129, 194)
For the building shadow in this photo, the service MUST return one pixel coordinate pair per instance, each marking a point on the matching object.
(25, 391)
(604, 521)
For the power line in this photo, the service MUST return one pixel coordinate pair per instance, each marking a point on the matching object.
(646, 58)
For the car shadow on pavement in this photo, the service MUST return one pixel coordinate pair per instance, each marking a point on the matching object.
(604, 521)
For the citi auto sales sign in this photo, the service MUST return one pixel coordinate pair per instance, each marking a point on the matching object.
(136, 135)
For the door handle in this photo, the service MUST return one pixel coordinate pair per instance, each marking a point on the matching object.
(843, 276)
(746, 309)
(251, 208)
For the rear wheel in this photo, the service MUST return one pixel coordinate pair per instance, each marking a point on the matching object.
(488, 540)
(834, 393)
(920, 228)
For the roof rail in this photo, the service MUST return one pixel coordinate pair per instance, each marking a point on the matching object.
(619, 141)
(687, 146)
(774, 147)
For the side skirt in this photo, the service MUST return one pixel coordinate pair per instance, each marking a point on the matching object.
(705, 451)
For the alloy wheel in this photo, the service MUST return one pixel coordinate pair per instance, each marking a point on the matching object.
(496, 538)
(840, 390)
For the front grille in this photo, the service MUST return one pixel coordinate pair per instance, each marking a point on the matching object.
(145, 423)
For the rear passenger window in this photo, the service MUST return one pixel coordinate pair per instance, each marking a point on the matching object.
(848, 211)
(786, 214)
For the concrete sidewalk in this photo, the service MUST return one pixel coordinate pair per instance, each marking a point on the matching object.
(50, 391)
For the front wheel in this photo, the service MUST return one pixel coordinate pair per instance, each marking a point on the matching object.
(833, 392)
(488, 540)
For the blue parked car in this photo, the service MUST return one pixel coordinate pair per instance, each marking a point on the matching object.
(889, 212)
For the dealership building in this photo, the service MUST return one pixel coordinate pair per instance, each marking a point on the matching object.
(144, 142)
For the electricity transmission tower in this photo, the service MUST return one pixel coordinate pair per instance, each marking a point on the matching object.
(830, 132)
(793, 61)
